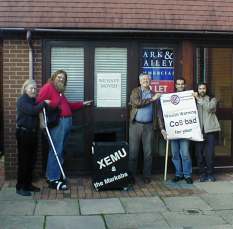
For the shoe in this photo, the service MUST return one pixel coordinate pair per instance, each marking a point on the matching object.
(211, 178)
(203, 178)
(189, 180)
(132, 180)
(177, 178)
(58, 185)
(128, 188)
(33, 188)
(146, 180)
(23, 192)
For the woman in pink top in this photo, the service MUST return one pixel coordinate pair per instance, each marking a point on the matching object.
(54, 91)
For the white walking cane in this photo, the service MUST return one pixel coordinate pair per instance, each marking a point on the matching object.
(166, 159)
(51, 142)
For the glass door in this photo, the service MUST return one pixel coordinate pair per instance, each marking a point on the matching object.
(214, 66)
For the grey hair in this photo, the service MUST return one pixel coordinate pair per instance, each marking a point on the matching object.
(144, 74)
(27, 83)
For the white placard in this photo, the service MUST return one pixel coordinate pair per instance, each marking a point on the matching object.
(108, 89)
(181, 116)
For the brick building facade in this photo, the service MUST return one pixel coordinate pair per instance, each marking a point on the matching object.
(197, 31)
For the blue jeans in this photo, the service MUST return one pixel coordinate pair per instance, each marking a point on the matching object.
(181, 158)
(59, 135)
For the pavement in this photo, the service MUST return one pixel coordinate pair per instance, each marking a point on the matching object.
(158, 205)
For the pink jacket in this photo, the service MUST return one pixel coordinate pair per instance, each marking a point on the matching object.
(48, 91)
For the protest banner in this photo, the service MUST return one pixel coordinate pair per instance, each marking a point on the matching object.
(110, 165)
(181, 116)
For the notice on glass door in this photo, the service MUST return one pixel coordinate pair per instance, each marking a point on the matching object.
(108, 89)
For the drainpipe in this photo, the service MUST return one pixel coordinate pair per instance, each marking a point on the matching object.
(29, 41)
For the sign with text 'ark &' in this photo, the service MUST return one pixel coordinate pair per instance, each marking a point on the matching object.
(159, 64)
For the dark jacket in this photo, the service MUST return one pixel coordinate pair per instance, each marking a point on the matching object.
(27, 112)
(136, 102)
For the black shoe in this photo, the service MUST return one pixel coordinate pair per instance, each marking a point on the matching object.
(203, 178)
(33, 188)
(211, 178)
(189, 180)
(58, 185)
(132, 180)
(177, 178)
(23, 192)
(146, 180)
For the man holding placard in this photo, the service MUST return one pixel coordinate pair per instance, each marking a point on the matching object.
(182, 125)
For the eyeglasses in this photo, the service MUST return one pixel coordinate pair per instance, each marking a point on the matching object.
(31, 88)
(61, 77)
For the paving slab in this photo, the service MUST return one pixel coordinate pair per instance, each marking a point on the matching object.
(17, 207)
(57, 207)
(143, 204)
(10, 194)
(182, 219)
(21, 222)
(213, 227)
(75, 222)
(204, 227)
(219, 201)
(179, 185)
(186, 203)
(132, 221)
(227, 215)
(215, 187)
(100, 206)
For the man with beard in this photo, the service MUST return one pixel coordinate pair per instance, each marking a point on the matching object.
(54, 91)
(209, 124)
(180, 148)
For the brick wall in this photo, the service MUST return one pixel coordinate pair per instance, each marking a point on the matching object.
(15, 72)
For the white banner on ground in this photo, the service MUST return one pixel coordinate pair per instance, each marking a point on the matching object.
(181, 116)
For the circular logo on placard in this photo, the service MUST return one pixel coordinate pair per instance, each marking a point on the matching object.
(175, 99)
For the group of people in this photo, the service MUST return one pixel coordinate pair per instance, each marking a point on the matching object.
(29, 105)
(146, 116)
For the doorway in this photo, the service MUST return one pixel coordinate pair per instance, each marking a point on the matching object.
(98, 73)
(215, 66)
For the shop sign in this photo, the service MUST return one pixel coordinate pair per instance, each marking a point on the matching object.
(108, 89)
(159, 64)
(181, 116)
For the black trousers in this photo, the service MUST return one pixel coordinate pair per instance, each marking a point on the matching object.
(27, 145)
(205, 154)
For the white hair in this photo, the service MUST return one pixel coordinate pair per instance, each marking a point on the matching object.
(144, 74)
(26, 84)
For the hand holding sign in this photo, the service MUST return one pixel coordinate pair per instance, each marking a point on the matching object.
(156, 96)
(164, 133)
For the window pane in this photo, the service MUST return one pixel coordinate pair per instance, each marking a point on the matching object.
(71, 60)
(110, 77)
(214, 66)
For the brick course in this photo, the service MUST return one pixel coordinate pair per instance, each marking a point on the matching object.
(207, 15)
(15, 72)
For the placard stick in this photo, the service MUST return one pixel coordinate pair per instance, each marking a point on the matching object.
(166, 158)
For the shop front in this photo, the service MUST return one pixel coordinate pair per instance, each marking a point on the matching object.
(106, 72)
